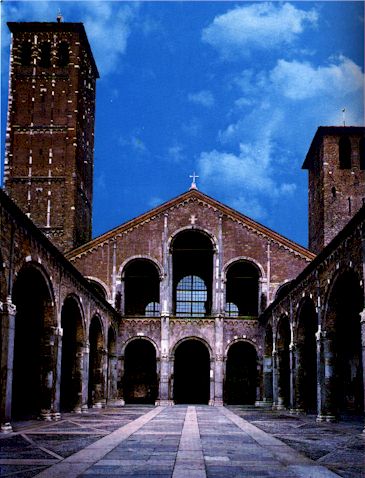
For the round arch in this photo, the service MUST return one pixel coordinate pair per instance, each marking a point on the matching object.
(212, 238)
(191, 337)
(237, 259)
(343, 343)
(73, 342)
(35, 342)
(140, 337)
(240, 384)
(238, 340)
(97, 341)
(140, 380)
(191, 378)
(101, 284)
(126, 262)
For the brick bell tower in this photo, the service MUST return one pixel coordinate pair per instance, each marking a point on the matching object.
(336, 186)
(50, 128)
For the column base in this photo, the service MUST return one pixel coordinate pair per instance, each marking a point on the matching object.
(263, 404)
(116, 402)
(326, 418)
(56, 416)
(77, 410)
(45, 415)
(84, 408)
(98, 405)
(297, 411)
(164, 403)
(216, 403)
(6, 428)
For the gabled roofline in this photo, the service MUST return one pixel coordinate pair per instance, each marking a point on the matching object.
(272, 235)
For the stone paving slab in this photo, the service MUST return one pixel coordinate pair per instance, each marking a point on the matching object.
(184, 442)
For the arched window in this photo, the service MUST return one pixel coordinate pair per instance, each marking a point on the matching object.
(141, 288)
(191, 297)
(362, 153)
(26, 54)
(63, 54)
(45, 59)
(192, 261)
(242, 289)
(231, 309)
(344, 152)
(152, 309)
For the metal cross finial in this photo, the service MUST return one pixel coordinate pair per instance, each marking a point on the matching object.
(193, 183)
(344, 116)
(59, 16)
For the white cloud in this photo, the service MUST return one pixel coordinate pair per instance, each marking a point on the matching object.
(250, 170)
(175, 153)
(259, 25)
(250, 207)
(204, 98)
(300, 80)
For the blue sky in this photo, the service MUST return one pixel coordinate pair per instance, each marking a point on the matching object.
(232, 90)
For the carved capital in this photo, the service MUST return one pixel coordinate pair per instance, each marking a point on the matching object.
(219, 358)
(10, 307)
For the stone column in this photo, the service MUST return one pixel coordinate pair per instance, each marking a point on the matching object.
(327, 408)
(48, 373)
(8, 312)
(275, 385)
(120, 382)
(298, 378)
(112, 390)
(56, 411)
(218, 362)
(164, 392)
(268, 380)
(293, 375)
(362, 322)
(85, 377)
(79, 369)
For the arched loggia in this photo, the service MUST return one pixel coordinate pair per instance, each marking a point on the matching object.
(72, 349)
(306, 358)
(96, 383)
(241, 374)
(140, 372)
(283, 362)
(343, 348)
(191, 372)
(34, 347)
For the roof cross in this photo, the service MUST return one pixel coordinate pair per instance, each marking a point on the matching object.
(193, 183)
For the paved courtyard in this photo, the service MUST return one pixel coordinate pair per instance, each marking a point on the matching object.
(183, 441)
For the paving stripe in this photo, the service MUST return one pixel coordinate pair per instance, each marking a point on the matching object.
(293, 460)
(190, 458)
(79, 462)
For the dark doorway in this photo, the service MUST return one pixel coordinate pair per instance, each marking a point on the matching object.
(191, 373)
(72, 342)
(283, 342)
(241, 374)
(140, 378)
(306, 373)
(32, 353)
(344, 331)
(96, 378)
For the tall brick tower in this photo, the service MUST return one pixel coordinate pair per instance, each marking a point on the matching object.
(50, 129)
(336, 187)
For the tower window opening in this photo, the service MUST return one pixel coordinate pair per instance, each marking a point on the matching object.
(362, 153)
(350, 208)
(45, 57)
(26, 54)
(334, 192)
(63, 54)
(344, 149)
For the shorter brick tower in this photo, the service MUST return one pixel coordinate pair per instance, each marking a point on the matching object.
(50, 128)
(336, 186)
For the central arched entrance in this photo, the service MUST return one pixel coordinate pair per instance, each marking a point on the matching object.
(191, 373)
(241, 374)
(140, 376)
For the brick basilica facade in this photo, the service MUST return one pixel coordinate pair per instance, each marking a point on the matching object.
(191, 302)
